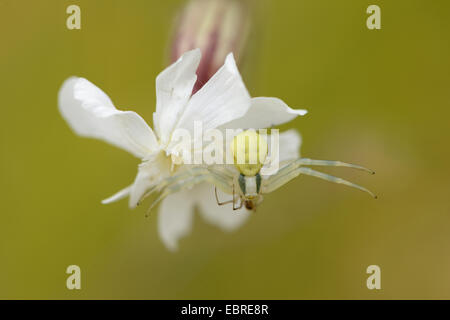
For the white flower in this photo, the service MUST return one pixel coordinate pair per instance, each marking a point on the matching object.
(175, 221)
(223, 102)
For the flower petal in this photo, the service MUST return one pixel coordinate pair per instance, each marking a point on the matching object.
(222, 99)
(290, 142)
(265, 112)
(177, 210)
(288, 149)
(90, 113)
(173, 89)
(150, 172)
(224, 216)
(175, 218)
(118, 196)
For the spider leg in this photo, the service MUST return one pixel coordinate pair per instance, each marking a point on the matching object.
(234, 202)
(169, 180)
(185, 181)
(240, 205)
(217, 198)
(283, 176)
(291, 171)
(312, 162)
(320, 175)
(195, 171)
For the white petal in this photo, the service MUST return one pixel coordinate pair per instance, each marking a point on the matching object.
(90, 113)
(224, 216)
(175, 218)
(177, 210)
(288, 149)
(118, 196)
(173, 88)
(154, 167)
(222, 99)
(290, 143)
(265, 113)
(150, 172)
(142, 183)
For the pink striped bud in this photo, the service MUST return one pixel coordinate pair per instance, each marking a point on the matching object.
(217, 27)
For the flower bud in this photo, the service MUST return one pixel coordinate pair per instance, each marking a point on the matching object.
(217, 27)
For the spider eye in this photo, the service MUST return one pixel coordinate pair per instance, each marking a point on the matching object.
(249, 151)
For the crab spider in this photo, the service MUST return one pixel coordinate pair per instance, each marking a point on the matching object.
(243, 180)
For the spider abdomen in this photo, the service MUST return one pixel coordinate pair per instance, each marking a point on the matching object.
(249, 151)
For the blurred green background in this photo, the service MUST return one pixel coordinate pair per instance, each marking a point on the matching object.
(377, 98)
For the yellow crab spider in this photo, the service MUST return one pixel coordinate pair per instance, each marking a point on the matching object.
(246, 185)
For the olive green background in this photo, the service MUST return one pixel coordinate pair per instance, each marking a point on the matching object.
(377, 98)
